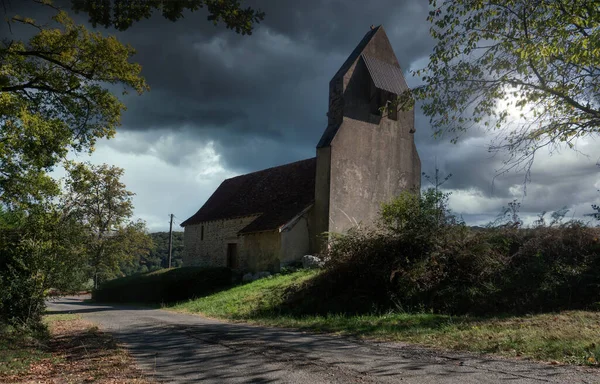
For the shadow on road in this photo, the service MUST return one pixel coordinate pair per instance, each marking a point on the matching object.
(183, 348)
(78, 305)
(219, 352)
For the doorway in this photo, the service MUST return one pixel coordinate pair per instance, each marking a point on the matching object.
(232, 261)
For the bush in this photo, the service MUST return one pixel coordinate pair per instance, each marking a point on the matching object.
(422, 258)
(164, 286)
(39, 250)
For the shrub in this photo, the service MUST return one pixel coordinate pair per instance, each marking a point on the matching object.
(39, 250)
(422, 258)
(164, 286)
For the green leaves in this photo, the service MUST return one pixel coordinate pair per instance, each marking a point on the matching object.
(497, 60)
(99, 202)
(53, 98)
(121, 14)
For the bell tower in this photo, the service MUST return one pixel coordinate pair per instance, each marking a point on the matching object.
(364, 157)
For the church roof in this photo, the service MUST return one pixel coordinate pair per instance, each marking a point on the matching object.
(276, 194)
(385, 76)
(382, 65)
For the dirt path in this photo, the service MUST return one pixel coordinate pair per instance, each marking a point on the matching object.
(182, 348)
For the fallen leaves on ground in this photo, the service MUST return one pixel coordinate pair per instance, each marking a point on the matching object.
(81, 354)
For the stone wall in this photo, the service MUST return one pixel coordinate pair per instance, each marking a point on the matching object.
(211, 249)
(364, 158)
(295, 241)
(321, 207)
(260, 251)
(370, 164)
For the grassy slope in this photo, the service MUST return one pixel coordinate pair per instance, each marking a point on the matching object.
(569, 337)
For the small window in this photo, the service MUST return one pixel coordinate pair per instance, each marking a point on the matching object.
(201, 232)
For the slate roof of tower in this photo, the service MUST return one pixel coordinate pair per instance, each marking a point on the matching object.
(276, 194)
(385, 76)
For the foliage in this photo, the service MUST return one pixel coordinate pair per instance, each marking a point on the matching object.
(60, 244)
(159, 254)
(38, 250)
(100, 203)
(509, 216)
(164, 286)
(406, 265)
(417, 216)
(538, 58)
(54, 98)
(121, 14)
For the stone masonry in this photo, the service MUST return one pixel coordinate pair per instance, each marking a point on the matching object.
(212, 249)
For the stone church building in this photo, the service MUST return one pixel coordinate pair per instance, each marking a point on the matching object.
(266, 219)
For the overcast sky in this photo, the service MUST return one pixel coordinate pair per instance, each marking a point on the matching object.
(222, 104)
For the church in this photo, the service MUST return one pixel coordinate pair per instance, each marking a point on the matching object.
(267, 219)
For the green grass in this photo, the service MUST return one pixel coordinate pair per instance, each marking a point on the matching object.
(255, 300)
(49, 319)
(570, 337)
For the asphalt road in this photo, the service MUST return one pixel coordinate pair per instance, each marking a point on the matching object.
(180, 348)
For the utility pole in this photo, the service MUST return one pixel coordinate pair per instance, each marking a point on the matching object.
(170, 239)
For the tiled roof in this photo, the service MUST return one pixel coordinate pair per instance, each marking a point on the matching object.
(385, 76)
(276, 194)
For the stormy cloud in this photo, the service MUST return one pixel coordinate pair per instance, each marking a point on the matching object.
(222, 104)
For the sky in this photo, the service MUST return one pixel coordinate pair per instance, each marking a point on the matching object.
(222, 104)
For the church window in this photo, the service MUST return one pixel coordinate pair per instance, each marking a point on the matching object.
(201, 232)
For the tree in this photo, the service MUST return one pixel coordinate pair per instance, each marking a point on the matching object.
(158, 257)
(54, 98)
(418, 215)
(101, 204)
(121, 14)
(39, 249)
(526, 67)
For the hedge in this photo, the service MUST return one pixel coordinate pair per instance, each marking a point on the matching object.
(164, 286)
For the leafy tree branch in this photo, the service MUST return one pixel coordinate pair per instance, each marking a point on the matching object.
(528, 69)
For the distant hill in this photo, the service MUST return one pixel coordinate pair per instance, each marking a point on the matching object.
(159, 256)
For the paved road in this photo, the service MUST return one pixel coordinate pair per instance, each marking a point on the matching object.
(180, 348)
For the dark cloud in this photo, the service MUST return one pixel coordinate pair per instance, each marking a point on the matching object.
(260, 100)
(266, 92)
